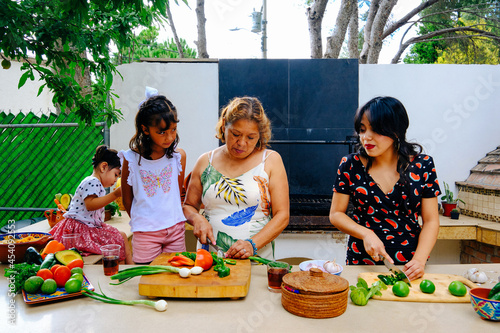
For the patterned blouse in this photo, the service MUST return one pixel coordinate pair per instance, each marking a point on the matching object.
(392, 216)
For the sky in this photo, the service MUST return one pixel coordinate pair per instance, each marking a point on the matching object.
(287, 28)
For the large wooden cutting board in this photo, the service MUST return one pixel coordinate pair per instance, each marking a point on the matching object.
(441, 295)
(206, 285)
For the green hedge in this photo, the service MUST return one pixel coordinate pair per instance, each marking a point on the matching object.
(38, 162)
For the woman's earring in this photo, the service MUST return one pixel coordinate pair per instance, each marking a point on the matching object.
(398, 145)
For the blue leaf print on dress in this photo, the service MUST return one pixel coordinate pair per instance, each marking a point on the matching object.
(240, 217)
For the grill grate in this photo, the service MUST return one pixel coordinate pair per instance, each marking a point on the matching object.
(310, 205)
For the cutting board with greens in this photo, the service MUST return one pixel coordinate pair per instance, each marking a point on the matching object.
(208, 284)
(440, 295)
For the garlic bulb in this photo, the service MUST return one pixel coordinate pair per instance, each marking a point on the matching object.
(479, 277)
(332, 267)
(476, 275)
(470, 272)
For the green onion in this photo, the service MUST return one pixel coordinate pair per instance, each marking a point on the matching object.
(160, 305)
(126, 274)
(271, 262)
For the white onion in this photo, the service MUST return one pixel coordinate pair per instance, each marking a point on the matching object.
(196, 270)
(161, 305)
(184, 272)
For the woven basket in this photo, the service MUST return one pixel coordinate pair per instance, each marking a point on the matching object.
(314, 294)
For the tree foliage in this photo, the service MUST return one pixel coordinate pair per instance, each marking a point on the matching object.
(57, 38)
(438, 22)
(146, 45)
(470, 31)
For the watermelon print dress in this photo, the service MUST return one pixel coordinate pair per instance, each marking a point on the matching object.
(392, 216)
(237, 208)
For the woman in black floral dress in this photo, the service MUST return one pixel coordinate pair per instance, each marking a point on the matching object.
(390, 183)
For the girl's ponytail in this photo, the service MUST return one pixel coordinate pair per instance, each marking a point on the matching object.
(104, 154)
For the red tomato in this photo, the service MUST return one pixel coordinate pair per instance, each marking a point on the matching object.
(203, 259)
(53, 269)
(45, 274)
(75, 263)
(62, 275)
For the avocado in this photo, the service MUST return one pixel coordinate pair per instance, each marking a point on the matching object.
(65, 200)
(67, 256)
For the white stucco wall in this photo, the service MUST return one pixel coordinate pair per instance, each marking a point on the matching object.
(13, 100)
(191, 87)
(453, 110)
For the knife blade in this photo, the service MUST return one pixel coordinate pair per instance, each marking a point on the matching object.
(220, 253)
(393, 269)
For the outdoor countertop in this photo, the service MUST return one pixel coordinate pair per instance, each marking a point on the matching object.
(259, 311)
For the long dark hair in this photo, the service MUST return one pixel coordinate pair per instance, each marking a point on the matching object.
(104, 154)
(151, 113)
(388, 117)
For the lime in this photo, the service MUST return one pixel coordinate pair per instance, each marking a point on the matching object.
(32, 284)
(400, 289)
(73, 286)
(77, 270)
(77, 276)
(457, 288)
(49, 286)
(427, 286)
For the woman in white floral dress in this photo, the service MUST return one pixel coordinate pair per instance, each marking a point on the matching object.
(242, 185)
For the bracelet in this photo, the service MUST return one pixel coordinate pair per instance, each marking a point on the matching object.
(253, 245)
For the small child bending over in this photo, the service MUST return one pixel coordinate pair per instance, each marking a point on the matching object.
(86, 210)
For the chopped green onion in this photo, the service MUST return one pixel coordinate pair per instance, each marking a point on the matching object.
(160, 305)
(272, 262)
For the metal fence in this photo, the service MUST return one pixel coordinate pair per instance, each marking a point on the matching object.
(41, 155)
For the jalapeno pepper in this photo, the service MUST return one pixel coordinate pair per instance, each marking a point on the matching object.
(387, 279)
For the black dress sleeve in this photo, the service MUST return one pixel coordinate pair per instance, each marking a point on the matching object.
(344, 173)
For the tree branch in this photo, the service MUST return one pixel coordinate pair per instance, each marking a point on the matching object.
(377, 30)
(429, 37)
(374, 6)
(174, 31)
(404, 20)
(335, 41)
(201, 43)
(315, 15)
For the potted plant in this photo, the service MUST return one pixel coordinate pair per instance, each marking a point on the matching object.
(449, 202)
(455, 214)
(110, 210)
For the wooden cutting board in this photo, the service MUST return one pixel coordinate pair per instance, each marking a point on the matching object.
(441, 295)
(206, 285)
